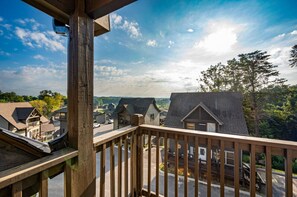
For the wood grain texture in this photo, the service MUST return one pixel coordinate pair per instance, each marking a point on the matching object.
(80, 100)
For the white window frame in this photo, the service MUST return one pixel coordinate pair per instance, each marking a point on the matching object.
(213, 125)
(226, 158)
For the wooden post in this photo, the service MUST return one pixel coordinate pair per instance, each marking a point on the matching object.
(82, 177)
(136, 120)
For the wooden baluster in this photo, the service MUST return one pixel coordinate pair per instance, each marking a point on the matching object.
(208, 167)
(165, 166)
(236, 169)
(43, 190)
(186, 148)
(268, 171)
(157, 163)
(120, 168)
(131, 165)
(222, 168)
(196, 157)
(102, 171)
(149, 163)
(253, 171)
(126, 167)
(289, 189)
(112, 178)
(176, 166)
(17, 189)
(139, 163)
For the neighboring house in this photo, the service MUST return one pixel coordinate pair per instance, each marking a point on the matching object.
(219, 112)
(127, 107)
(22, 118)
(17, 150)
(61, 116)
(100, 117)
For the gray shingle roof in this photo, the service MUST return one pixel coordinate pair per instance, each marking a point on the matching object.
(135, 105)
(227, 106)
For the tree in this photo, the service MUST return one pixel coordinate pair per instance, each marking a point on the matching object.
(234, 76)
(40, 105)
(257, 73)
(213, 79)
(293, 60)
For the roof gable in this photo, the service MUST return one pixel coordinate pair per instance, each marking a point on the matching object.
(226, 106)
(135, 105)
(207, 110)
(10, 113)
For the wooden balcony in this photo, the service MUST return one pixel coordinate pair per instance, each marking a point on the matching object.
(140, 176)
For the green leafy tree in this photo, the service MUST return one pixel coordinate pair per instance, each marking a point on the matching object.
(293, 59)
(213, 79)
(40, 105)
(258, 73)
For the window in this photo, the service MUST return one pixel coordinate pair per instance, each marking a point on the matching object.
(229, 158)
(202, 151)
(190, 126)
(211, 127)
(152, 117)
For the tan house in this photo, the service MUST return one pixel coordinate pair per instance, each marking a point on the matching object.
(127, 107)
(22, 118)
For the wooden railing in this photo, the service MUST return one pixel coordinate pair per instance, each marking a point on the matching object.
(14, 181)
(130, 142)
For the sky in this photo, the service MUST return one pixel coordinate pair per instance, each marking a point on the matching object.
(154, 47)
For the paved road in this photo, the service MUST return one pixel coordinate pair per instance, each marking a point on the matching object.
(104, 128)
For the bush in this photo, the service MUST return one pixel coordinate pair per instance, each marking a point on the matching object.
(278, 162)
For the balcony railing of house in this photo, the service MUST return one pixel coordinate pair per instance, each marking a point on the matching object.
(128, 179)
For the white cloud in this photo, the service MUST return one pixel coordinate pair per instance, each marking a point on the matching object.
(190, 30)
(152, 43)
(36, 39)
(117, 19)
(1, 19)
(131, 28)
(39, 57)
(220, 39)
(1, 32)
(34, 78)
(294, 32)
(29, 21)
(280, 36)
(108, 71)
(3, 53)
(170, 43)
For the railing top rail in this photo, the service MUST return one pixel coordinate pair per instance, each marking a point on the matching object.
(21, 172)
(107, 137)
(226, 137)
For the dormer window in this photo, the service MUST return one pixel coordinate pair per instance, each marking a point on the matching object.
(211, 127)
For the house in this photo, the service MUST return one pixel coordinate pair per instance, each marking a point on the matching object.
(219, 112)
(61, 116)
(22, 118)
(16, 150)
(127, 107)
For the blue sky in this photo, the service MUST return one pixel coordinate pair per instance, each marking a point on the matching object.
(154, 48)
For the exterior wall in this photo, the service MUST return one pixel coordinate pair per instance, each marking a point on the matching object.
(200, 117)
(101, 118)
(115, 123)
(3, 123)
(147, 119)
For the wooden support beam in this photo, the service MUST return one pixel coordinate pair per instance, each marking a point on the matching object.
(99, 8)
(58, 9)
(80, 101)
(62, 9)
